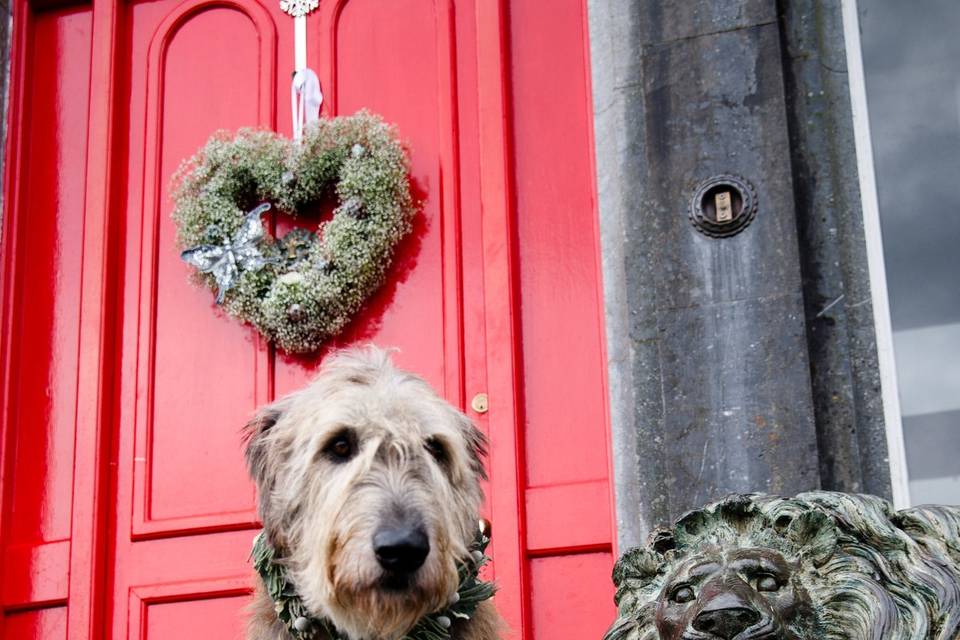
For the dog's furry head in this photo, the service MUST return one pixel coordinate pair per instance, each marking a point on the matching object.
(822, 565)
(363, 445)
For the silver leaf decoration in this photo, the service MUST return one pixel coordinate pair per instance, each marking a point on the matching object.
(226, 261)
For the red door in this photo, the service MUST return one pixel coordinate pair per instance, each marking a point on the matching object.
(126, 511)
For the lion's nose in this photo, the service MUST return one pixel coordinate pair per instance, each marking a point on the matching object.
(401, 549)
(726, 623)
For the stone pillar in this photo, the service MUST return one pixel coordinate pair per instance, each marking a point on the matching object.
(5, 24)
(710, 339)
(836, 283)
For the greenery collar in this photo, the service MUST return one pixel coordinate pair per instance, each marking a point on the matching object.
(434, 626)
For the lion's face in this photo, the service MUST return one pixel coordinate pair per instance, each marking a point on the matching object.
(741, 593)
(820, 566)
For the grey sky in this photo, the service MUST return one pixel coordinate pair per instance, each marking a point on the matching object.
(911, 57)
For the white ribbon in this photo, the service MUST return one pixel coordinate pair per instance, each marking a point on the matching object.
(300, 42)
(305, 100)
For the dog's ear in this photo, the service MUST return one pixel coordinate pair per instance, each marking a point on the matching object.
(263, 458)
(254, 433)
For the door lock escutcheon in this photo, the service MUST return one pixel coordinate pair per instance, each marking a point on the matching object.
(723, 206)
(480, 403)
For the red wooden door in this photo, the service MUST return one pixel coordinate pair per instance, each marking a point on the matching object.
(126, 511)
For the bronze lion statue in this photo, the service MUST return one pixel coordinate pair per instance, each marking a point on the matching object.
(822, 565)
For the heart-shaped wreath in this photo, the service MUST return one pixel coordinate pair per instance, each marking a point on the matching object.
(303, 288)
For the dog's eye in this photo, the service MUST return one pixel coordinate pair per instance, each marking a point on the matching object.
(438, 450)
(341, 447)
(766, 582)
(683, 593)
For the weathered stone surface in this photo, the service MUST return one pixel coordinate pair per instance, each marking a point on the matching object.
(715, 331)
(710, 338)
(734, 423)
(665, 21)
(619, 133)
(836, 282)
(5, 23)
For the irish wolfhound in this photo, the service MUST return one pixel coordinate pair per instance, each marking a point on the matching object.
(368, 487)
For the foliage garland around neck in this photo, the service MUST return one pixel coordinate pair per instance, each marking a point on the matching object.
(434, 626)
(302, 288)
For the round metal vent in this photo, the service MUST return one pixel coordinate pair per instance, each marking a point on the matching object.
(723, 206)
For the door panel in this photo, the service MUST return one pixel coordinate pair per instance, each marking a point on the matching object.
(562, 607)
(180, 619)
(567, 493)
(47, 311)
(184, 344)
(41, 315)
(497, 291)
(185, 347)
(185, 508)
(162, 612)
(49, 624)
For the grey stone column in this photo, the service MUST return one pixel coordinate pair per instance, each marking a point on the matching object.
(836, 283)
(709, 343)
(5, 33)
(712, 341)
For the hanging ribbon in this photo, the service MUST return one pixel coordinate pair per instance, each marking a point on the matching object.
(305, 100)
(305, 95)
(300, 42)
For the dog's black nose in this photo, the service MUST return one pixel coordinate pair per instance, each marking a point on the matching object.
(726, 623)
(401, 550)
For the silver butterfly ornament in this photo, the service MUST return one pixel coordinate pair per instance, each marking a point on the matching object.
(226, 261)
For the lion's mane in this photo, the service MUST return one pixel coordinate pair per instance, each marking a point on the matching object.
(872, 573)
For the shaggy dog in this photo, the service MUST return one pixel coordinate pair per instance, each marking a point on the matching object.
(821, 566)
(369, 490)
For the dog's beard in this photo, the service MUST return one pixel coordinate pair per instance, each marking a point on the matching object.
(345, 584)
(384, 613)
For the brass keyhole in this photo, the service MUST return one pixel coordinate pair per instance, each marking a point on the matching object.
(480, 403)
